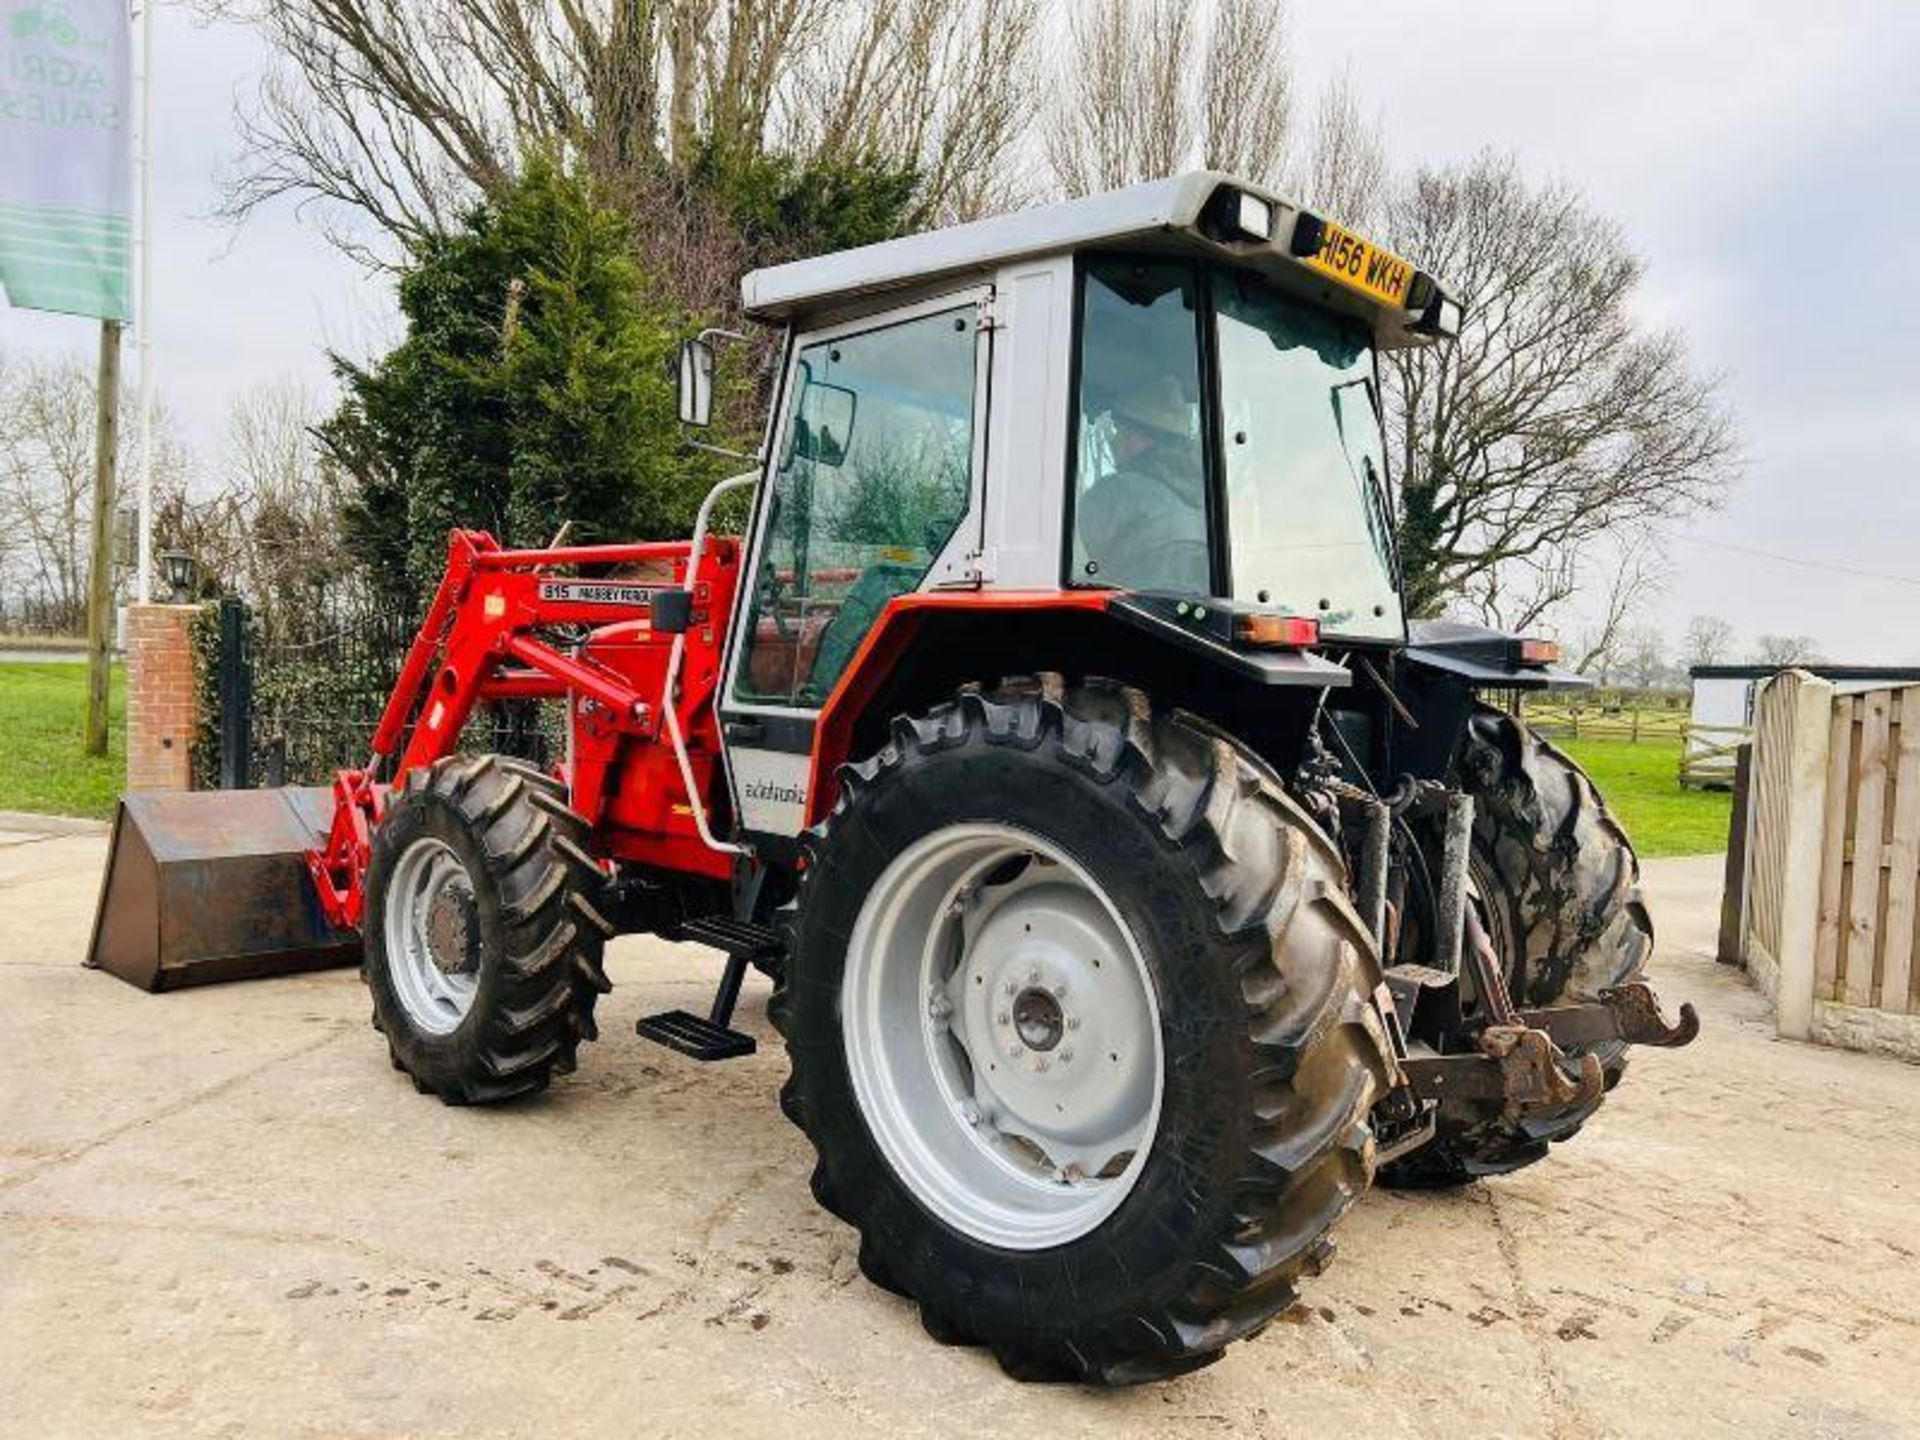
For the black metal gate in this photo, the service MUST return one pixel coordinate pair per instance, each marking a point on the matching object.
(297, 695)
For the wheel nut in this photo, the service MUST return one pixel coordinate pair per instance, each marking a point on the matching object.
(1041, 1063)
(970, 1113)
(1065, 1056)
(1003, 1018)
(1059, 989)
(1073, 1022)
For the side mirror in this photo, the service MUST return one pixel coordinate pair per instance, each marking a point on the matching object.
(822, 422)
(696, 382)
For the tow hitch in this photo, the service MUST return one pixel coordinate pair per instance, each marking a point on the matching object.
(1519, 1057)
(1629, 1012)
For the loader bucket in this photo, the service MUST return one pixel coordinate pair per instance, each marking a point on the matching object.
(213, 885)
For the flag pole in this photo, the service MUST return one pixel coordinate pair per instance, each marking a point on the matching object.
(143, 588)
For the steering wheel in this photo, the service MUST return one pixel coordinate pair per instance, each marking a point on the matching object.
(768, 598)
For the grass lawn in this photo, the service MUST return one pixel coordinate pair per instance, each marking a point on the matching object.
(1642, 787)
(43, 712)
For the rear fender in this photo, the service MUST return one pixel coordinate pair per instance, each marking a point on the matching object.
(878, 660)
(1478, 656)
(926, 645)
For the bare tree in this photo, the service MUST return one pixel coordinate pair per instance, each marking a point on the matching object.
(1781, 651)
(946, 89)
(400, 113)
(1709, 640)
(46, 480)
(1148, 88)
(1643, 658)
(1343, 170)
(269, 528)
(47, 415)
(1632, 574)
(1246, 90)
(1556, 418)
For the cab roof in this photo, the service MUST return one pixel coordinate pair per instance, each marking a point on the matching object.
(1166, 216)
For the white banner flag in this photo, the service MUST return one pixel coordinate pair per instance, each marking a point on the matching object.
(65, 156)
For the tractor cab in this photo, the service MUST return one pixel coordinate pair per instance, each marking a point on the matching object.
(1165, 396)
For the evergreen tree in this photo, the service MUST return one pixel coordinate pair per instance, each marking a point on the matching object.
(533, 388)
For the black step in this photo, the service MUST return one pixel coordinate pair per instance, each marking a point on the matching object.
(694, 1035)
(736, 937)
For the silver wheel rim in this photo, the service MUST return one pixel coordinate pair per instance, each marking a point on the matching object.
(432, 935)
(1003, 1036)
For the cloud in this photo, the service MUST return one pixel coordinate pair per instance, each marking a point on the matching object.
(1760, 155)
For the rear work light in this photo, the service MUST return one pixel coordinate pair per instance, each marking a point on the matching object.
(1536, 652)
(1291, 632)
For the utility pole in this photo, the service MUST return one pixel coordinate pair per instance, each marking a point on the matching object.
(106, 444)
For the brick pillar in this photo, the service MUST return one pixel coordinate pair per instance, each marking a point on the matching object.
(163, 705)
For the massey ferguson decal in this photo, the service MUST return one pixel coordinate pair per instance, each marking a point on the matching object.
(594, 592)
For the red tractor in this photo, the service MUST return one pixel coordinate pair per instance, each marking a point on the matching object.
(1137, 884)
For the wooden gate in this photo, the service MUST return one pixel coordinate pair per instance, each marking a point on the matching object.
(1870, 867)
(1831, 903)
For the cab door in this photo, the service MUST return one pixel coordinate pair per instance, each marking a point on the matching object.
(873, 491)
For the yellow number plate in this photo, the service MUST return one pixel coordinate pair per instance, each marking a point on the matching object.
(1362, 265)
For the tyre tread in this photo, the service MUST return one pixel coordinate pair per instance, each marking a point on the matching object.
(550, 973)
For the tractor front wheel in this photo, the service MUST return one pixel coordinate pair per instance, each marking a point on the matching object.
(483, 930)
(1081, 1031)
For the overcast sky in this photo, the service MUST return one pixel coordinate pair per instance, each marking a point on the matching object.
(1764, 157)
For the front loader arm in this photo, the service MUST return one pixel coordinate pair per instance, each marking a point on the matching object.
(482, 641)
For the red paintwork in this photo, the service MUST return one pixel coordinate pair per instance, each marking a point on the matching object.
(483, 640)
(885, 643)
(480, 642)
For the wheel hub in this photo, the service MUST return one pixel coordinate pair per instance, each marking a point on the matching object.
(1058, 1034)
(450, 929)
(1024, 1099)
(1038, 1018)
(431, 934)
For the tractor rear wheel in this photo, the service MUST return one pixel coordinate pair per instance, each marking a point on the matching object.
(1557, 884)
(483, 931)
(1081, 1029)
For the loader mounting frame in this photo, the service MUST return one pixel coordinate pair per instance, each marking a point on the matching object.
(486, 638)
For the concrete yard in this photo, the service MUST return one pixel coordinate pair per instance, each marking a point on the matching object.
(221, 1212)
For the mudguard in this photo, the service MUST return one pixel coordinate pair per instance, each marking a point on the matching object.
(1481, 656)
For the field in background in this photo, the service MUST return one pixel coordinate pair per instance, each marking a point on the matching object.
(1630, 742)
(1641, 783)
(43, 709)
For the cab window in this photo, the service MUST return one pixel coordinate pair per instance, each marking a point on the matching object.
(873, 479)
(1140, 510)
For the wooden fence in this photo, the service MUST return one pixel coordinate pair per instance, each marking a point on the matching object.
(1571, 723)
(1708, 753)
(1830, 902)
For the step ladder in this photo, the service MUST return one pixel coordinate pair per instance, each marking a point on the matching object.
(711, 1037)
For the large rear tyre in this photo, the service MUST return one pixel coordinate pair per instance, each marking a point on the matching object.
(1557, 885)
(483, 930)
(1081, 1029)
